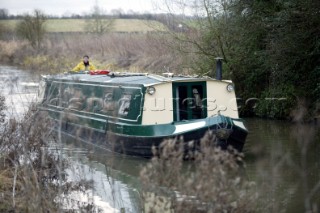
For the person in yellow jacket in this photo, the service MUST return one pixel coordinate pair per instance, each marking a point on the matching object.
(84, 65)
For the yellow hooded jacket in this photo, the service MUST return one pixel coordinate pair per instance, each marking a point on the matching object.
(82, 67)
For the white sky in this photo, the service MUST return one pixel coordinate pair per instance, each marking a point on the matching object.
(62, 7)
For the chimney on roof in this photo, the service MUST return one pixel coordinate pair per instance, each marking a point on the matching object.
(219, 68)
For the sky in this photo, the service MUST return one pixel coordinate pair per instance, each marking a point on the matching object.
(64, 7)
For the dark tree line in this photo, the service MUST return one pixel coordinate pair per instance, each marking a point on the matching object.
(4, 14)
(279, 50)
(271, 50)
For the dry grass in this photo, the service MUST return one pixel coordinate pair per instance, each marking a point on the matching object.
(27, 170)
(10, 49)
(32, 177)
(213, 182)
(144, 52)
(61, 52)
(149, 50)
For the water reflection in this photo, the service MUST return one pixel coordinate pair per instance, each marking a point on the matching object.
(19, 87)
(114, 176)
(283, 158)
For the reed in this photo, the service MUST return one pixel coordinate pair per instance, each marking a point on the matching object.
(60, 52)
(32, 173)
(212, 182)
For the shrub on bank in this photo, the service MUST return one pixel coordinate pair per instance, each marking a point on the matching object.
(8, 50)
(212, 182)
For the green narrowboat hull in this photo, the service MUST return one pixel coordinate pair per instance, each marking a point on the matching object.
(131, 113)
(138, 140)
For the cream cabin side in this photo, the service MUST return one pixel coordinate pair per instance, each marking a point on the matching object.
(157, 107)
(221, 99)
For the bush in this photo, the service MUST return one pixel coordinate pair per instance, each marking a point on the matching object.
(32, 28)
(32, 176)
(211, 183)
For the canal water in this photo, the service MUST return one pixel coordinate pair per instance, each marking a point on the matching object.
(282, 158)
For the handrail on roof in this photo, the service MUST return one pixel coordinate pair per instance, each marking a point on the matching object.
(125, 74)
(158, 77)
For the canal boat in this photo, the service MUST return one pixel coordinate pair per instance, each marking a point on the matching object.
(132, 112)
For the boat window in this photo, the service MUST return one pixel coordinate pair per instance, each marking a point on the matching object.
(41, 91)
(188, 100)
(108, 103)
(53, 95)
(66, 95)
(183, 102)
(197, 107)
(124, 104)
(197, 98)
(76, 101)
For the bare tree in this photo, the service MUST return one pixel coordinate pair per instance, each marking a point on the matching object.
(195, 27)
(99, 24)
(32, 28)
(4, 14)
(117, 12)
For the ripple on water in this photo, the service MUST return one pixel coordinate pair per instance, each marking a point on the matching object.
(19, 88)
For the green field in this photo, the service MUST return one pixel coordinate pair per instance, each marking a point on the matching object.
(78, 25)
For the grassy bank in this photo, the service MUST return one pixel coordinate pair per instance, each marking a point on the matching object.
(130, 45)
(61, 52)
(79, 25)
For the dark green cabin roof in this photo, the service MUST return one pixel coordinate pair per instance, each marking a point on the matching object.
(122, 78)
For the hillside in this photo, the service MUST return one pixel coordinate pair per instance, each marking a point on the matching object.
(78, 25)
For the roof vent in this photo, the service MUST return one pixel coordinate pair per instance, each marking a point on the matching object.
(168, 74)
